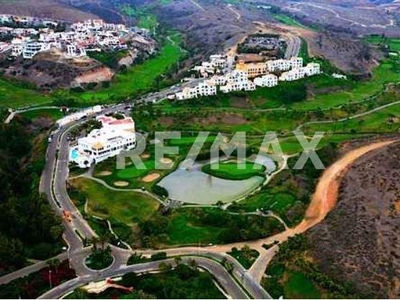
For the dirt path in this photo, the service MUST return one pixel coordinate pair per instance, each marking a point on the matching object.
(323, 201)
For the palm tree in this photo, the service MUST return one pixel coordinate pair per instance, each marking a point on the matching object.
(94, 240)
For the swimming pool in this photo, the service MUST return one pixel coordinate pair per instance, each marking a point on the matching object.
(74, 154)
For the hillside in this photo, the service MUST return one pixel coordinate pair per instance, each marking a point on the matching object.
(358, 242)
(44, 9)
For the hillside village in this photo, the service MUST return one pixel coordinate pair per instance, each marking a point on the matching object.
(53, 54)
(27, 36)
(221, 74)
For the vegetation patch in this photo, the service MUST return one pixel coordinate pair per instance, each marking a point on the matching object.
(234, 171)
(245, 256)
(99, 259)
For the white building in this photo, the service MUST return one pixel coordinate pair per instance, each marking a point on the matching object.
(293, 75)
(280, 65)
(206, 89)
(203, 89)
(114, 137)
(218, 80)
(238, 81)
(269, 80)
(312, 69)
(32, 48)
(187, 93)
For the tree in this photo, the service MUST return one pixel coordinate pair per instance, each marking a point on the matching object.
(193, 264)
(164, 267)
(54, 264)
(94, 240)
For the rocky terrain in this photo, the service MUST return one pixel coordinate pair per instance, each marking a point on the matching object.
(358, 242)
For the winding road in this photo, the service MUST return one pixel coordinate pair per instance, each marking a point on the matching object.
(240, 283)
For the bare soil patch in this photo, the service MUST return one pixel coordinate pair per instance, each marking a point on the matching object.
(225, 118)
(104, 174)
(121, 183)
(151, 177)
(166, 161)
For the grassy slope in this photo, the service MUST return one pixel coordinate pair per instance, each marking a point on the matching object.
(126, 207)
(138, 78)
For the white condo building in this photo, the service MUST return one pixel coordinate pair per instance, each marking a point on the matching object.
(293, 75)
(114, 137)
(280, 65)
(269, 80)
(312, 69)
(238, 81)
(203, 89)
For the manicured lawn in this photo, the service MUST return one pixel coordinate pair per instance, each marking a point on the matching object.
(298, 286)
(134, 172)
(137, 78)
(53, 114)
(125, 207)
(383, 74)
(233, 171)
(275, 200)
(181, 231)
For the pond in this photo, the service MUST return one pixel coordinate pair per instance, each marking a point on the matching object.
(191, 185)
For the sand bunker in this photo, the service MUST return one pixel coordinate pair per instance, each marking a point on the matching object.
(121, 183)
(151, 177)
(166, 161)
(104, 173)
(145, 156)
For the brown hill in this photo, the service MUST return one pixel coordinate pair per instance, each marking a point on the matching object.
(44, 9)
(358, 242)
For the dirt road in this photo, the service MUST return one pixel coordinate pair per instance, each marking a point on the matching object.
(323, 201)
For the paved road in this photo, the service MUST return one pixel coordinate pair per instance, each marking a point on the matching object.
(30, 269)
(223, 278)
(293, 47)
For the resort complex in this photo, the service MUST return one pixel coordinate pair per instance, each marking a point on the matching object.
(221, 74)
(114, 136)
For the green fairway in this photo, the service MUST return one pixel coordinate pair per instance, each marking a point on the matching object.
(134, 172)
(392, 43)
(182, 231)
(298, 286)
(382, 121)
(288, 20)
(385, 73)
(234, 171)
(140, 78)
(18, 95)
(50, 113)
(126, 207)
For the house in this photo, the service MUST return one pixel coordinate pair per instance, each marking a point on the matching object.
(269, 80)
(32, 48)
(100, 144)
